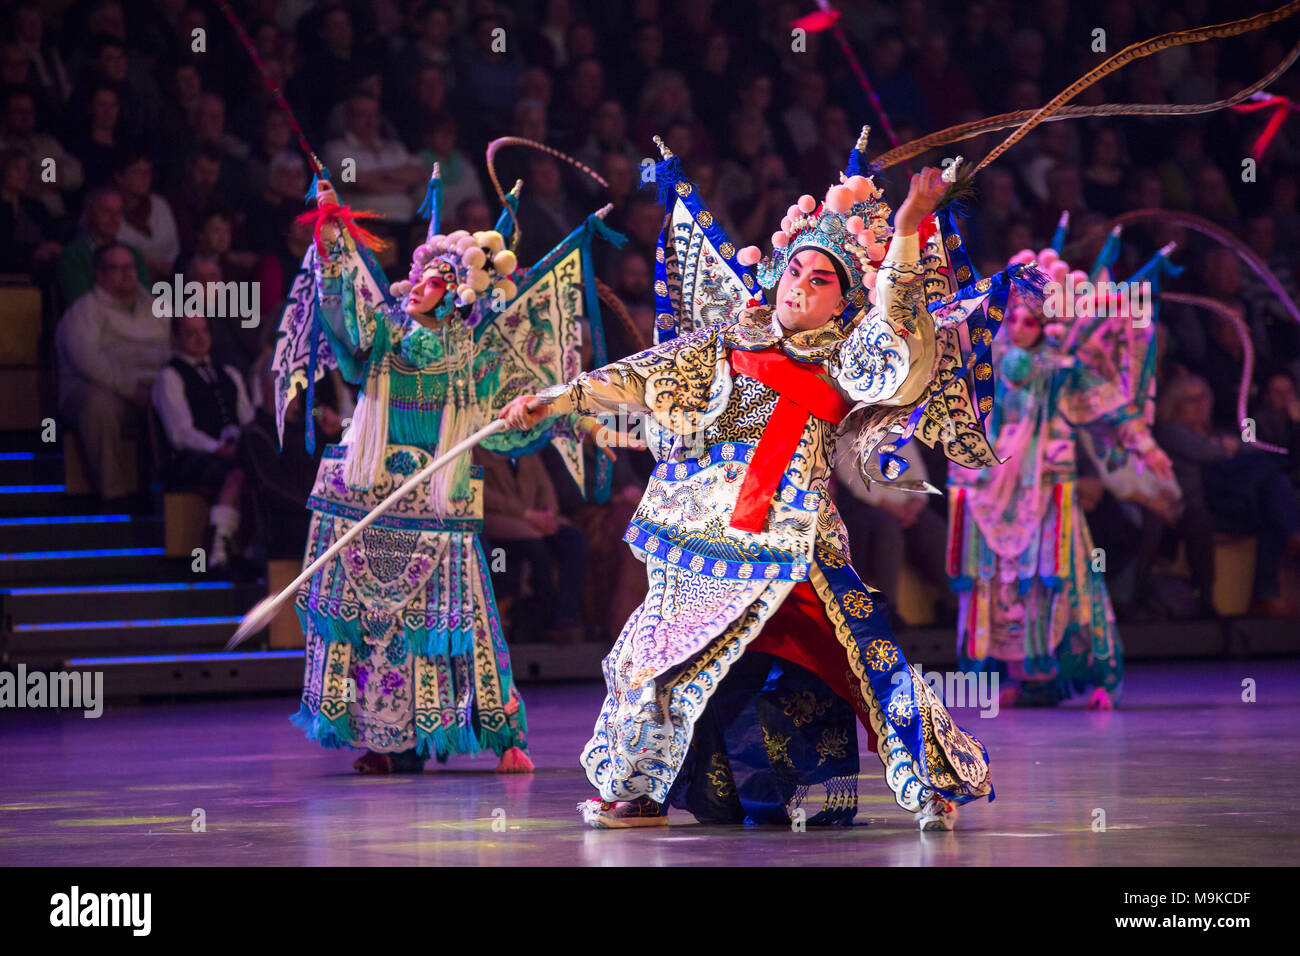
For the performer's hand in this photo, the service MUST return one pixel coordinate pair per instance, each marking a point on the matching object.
(518, 416)
(922, 197)
(325, 194)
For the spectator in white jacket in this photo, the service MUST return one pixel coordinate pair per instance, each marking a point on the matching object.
(110, 345)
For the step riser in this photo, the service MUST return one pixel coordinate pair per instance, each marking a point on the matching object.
(140, 533)
(31, 471)
(104, 570)
(216, 677)
(128, 606)
(43, 646)
(33, 503)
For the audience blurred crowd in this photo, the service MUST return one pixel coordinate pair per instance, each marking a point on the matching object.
(138, 142)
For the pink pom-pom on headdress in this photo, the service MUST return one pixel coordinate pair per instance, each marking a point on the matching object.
(869, 278)
(1058, 271)
(749, 255)
(1046, 257)
(794, 212)
(787, 224)
(876, 251)
(855, 225)
(861, 187)
(807, 203)
(839, 199)
(1023, 257)
(780, 240)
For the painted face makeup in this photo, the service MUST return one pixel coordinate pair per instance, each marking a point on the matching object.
(808, 294)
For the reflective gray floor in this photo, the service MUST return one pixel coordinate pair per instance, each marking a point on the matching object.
(1185, 773)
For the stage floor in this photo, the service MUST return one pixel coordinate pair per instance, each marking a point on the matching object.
(1185, 773)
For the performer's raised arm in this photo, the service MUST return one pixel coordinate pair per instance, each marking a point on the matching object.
(888, 359)
(350, 295)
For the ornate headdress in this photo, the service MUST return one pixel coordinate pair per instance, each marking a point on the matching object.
(470, 264)
(850, 225)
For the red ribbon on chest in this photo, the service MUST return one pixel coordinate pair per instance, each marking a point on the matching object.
(803, 393)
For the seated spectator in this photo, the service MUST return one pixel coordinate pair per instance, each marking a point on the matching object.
(232, 343)
(521, 514)
(201, 411)
(280, 263)
(208, 130)
(46, 70)
(388, 177)
(110, 65)
(472, 215)
(215, 240)
(1266, 308)
(26, 229)
(101, 221)
(198, 194)
(101, 139)
(147, 221)
(1277, 418)
(1104, 177)
(545, 214)
(887, 527)
(22, 132)
(110, 345)
(460, 180)
(607, 133)
(1243, 490)
(286, 183)
(185, 88)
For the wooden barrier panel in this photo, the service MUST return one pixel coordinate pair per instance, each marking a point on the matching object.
(285, 632)
(185, 519)
(20, 326)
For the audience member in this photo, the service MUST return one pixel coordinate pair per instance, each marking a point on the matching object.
(110, 345)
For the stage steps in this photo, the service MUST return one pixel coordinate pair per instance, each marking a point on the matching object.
(83, 585)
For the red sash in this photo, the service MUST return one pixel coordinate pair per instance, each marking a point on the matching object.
(802, 393)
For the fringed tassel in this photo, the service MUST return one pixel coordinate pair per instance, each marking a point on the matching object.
(333, 734)
(612, 236)
(459, 420)
(369, 433)
(345, 217)
(316, 178)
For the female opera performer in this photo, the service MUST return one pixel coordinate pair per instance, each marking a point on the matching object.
(1033, 604)
(405, 656)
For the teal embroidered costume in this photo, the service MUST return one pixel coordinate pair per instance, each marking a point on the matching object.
(404, 647)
